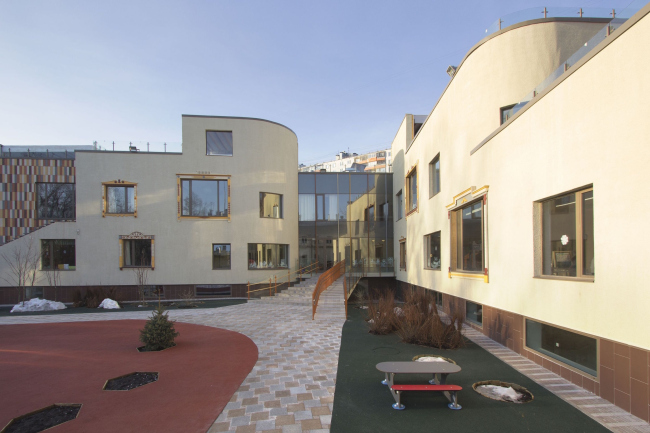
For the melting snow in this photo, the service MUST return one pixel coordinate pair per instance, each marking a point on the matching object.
(431, 359)
(500, 393)
(109, 304)
(37, 304)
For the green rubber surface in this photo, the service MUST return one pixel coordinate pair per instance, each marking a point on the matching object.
(362, 404)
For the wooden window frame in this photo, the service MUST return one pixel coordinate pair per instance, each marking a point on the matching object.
(179, 195)
(432, 169)
(119, 183)
(407, 187)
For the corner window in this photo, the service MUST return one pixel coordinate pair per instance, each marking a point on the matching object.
(412, 190)
(576, 350)
(568, 235)
(58, 254)
(205, 290)
(136, 251)
(204, 198)
(467, 238)
(434, 176)
(218, 143)
(432, 251)
(268, 256)
(507, 113)
(270, 205)
(400, 205)
(119, 198)
(474, 313)
(55, 200)
(220, 256)
(402, 254)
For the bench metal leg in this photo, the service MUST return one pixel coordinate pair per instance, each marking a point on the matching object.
(385, 381)
(454, 401)
(397, 405)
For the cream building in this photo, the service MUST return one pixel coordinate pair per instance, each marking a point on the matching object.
(526, 220)
(212, 218)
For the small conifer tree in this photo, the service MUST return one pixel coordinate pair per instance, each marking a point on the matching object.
(158, 332)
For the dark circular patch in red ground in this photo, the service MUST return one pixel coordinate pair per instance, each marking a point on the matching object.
(43, 364)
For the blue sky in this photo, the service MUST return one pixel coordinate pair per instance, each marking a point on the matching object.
(341, 74)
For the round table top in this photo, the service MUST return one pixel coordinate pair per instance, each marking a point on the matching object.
(418, 367)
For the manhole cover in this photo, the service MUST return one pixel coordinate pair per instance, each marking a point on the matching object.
(43, 419)
(130, 381)
(385, 351)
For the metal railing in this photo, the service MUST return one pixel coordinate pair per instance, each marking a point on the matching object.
(274, 281)
(324, 281)
(350, 282)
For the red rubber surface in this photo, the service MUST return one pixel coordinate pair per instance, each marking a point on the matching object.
(42, 364)
(426, 388)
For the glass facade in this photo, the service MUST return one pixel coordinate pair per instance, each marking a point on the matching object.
(346, 216)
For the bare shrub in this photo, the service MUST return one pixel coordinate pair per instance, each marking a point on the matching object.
(188, 300)
(382, 318)
(22, 264)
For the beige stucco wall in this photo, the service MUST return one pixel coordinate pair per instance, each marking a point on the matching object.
(265, 157)
(591, 129)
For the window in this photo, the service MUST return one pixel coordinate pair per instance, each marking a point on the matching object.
(204, 290)
(434, 176)
(220, 256)
(400, 205)
(306, 207)
(119, 198)
(402, 255)
(474, 313)
(204, 198)
(137, 253)
(432, 251)
(568, 235)
(467, 238)
(218, 143)
(577, 350)
(152, 292)
(268, 256)
(58, 254)
(438, 298)
(507, 113)
(55, 200)
(270, 205)
(412, 190)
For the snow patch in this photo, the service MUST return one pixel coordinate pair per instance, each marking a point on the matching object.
(109, 304)
(398, 311)
(37, 304)
(431, 359)
(500, 393)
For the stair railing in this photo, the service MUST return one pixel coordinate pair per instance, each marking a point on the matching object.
(324, 281)
(272, 284)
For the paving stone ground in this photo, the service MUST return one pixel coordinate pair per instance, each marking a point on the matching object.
(291, 387)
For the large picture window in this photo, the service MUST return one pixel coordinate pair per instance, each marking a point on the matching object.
(568, 235)
(218, 143)
(55, 200)
(412, 191)
(220, 256)
(467, 238)
(432, 251)
(434, 176)
(58, 254)
(268, 256)
(270, 205)
(474, 313)
(204, 198)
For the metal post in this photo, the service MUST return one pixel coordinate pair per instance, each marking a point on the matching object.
(288, 278)
(165, 144)
(275, 285)
(613, 13)
(500, 23)
(545, 12)
(113, 146)
(580, 13)
(147, 146)
(249, 290)
(270, 286)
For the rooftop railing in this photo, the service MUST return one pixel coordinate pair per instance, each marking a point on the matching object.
(562, 12)
(138, 146)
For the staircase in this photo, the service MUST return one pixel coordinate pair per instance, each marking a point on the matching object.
(331, 304)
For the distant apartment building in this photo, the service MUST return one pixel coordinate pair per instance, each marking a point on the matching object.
(372, 162)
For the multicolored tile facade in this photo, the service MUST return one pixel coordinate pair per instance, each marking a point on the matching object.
(18, 192)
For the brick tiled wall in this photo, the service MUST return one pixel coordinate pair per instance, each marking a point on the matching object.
(18, 192)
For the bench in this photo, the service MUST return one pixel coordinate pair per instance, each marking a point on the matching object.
(451, 389)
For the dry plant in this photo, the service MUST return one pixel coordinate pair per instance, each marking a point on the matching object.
(141, 274)
(188, 299)
(22, 264)
(382, 318)
(53, 277)
(421, 323)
